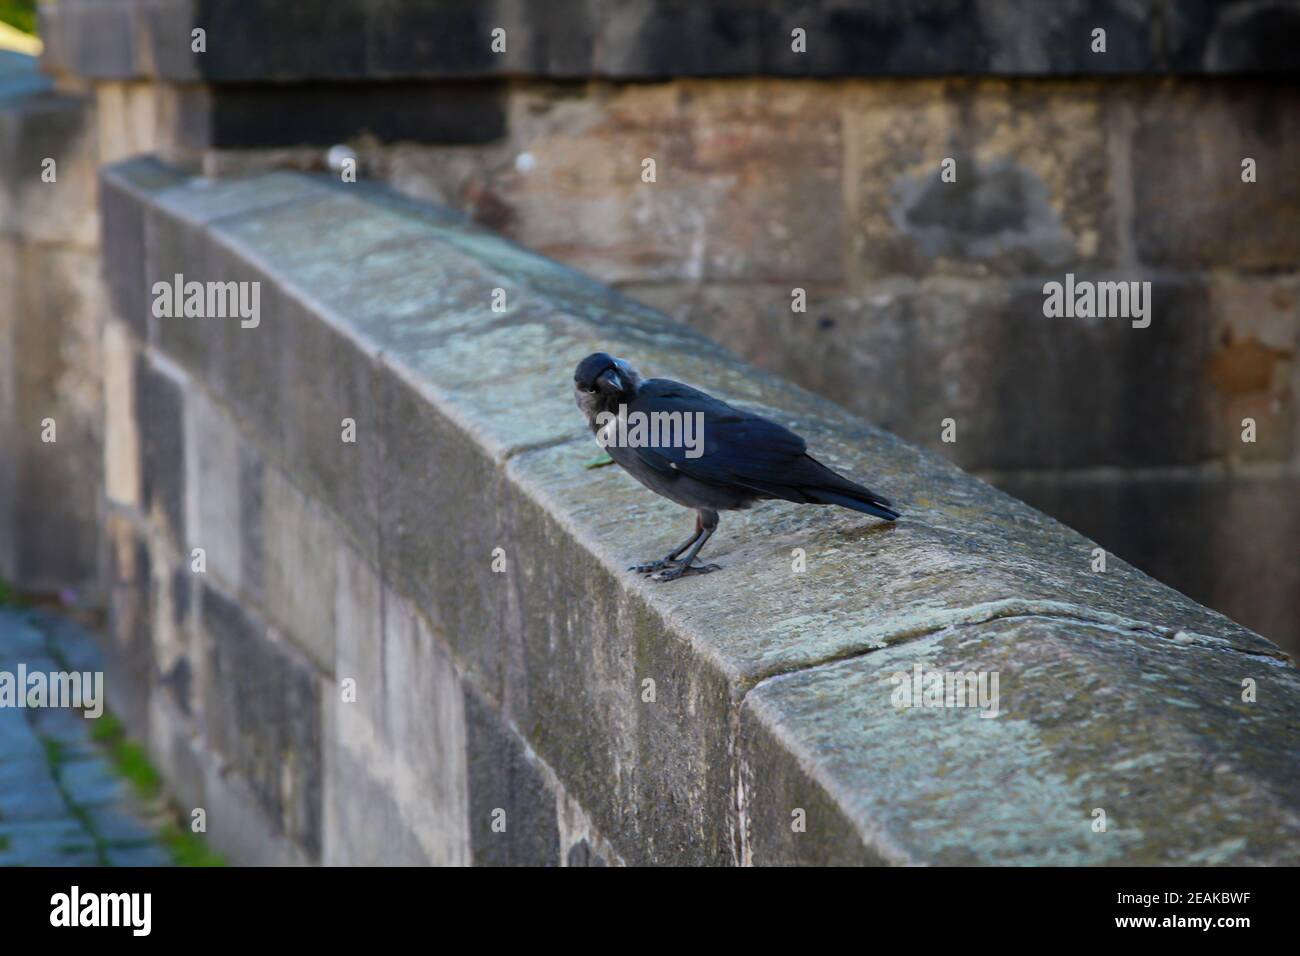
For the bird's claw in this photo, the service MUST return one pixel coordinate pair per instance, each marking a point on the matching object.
(651, 566)
(682, 570)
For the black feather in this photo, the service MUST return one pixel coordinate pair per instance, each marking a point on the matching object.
(746, 453)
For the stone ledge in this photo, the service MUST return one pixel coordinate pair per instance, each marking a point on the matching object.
(772, 690)
(650, 39)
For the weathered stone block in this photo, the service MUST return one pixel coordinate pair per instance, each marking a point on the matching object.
(263, 714)
(238, 363)
(213, 516)
(160, 405)
(363, 824)
(252, 543)
(505, 626)
(361, 819)
(174, 749)
(359, 642)
(300, 550)
(91, 38)
(165, 44)
(1032, 187)
(428, 466)
(238, 826)
(396, 785)
(122, 455)
(238, 357)
(1215, 535)
(57, 418)
(327, 410)
(1254, 367)
(331, 421)
(976, 580)
(748, 181)
(9, 417)
(905, 356)
(512, 813)
(432, 463)
(1066, 392)
(180, 667)
(427, 728)
(171, 631)
(1151, 408)
(130, 119)
(1082, 740)
(1191, 208)
(128, 650)
(123, 189)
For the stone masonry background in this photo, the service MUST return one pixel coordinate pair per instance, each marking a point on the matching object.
(923, 305)
(917, 310)
(920, 310)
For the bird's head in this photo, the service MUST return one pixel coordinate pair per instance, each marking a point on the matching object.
(602, 383)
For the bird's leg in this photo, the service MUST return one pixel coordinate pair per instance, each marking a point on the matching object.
(670, 559)
(707, 522)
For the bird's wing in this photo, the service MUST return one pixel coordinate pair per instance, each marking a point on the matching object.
(739, 448)
(746, 451)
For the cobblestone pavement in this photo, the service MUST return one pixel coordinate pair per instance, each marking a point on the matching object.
(61, 802)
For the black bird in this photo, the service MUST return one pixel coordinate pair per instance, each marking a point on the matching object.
(742, 457)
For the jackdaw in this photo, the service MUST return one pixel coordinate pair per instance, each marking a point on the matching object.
(728, 461)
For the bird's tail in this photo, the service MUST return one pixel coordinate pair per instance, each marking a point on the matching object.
(811, 482)
(835, 489)
(867, 503)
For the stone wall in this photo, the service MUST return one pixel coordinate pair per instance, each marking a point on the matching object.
(485, 690)
(925, 298)
(820, 171)
(392, 643)
(50, 315)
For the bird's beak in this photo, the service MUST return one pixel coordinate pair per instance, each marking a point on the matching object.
(611, 380)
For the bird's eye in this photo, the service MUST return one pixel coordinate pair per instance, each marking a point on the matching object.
(585, 388)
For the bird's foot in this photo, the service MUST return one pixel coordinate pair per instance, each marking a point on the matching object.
(652, 566)
(679, 570)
